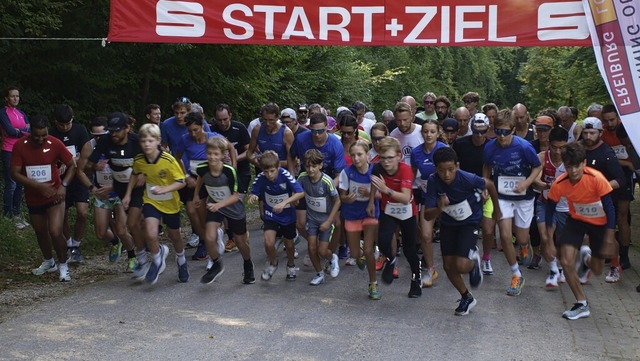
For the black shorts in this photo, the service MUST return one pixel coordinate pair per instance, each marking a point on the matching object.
(76, 193)
(625, 193)
(243, 183)
(171, 220)
(41, 210)
(236, 226)
(458, 241)
(288, 231)
(574, 231)
(136, 197)
(418, 197)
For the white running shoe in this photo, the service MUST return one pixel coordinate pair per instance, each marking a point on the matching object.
(317, 279)
(552, 279)
(307, 261)
(64, 272)
(193, 240)
(269, 271)
(45, 267)
(486, 267)
(335, 267)
(350, 261)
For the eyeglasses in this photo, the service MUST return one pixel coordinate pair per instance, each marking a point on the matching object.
(318, 131)
(377, 139)
(477, 131)
(428, 102)
(469, 101)
(387, 159)
(351, 133)
(443, 107)
(502, 132)
(183, 100)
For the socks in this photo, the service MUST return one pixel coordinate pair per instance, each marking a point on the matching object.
(156, 258)
(131, 253)
(114, 241)
(181, 259)
(515, 269)
(142, 257)
(553, 265)
(486, 255)
(583, 302)
(210, 263)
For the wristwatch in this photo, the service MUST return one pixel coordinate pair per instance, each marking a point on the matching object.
(65, 184)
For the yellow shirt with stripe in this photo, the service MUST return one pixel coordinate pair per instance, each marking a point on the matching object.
(163, 171)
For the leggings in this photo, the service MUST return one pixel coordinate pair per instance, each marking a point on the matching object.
(408, 227)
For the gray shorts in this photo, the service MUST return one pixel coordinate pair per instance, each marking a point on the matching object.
(313, 228)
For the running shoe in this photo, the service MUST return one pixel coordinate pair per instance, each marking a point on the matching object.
(374, 294)
(193, 241)
(269, 271)
(343, 252)
(140, 272)
(350, 261)
(317, 279)
(75, 257)
(535, 262)
(156, 269)
(552, 279)
(561, 278)
(212, 273)
(247, 275)
(415, 290)
(486, 267)
(115, 252)
(307, 261)
(183, 272)
(20, 224)
(380, 260)
(201, 253)
(429, 277)
(387, 271)
(516, 286)
(465, 305)
(577, 311)
(45, 267)
(436, 235)
(475, 276)
(291, 273)
(295, 253)
(230, 246)
(335, 266)
(132, 264)
(361, 262)
(396, 274)
(64, 273)
(526, 254)
(614, 275)
(583, 270)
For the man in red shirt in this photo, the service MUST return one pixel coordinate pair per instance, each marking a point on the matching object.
(34, 164)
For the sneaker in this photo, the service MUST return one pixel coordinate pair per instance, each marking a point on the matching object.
(429, 277)
(212, 273)
(307, 261)
(350, 261)
(230, 246)
(561, 278)
(415, 290)
(20, 224)
(247, 275)
(361, 262)
(193, 241)
(45, 267)
(183, 272)
(475, 276)
(132, 264)
(335, 266)
(577, 311)
(64, 273)
(583, 271)
(140, 272)
(343, 252)
(380, 260)
(516, 286)
(374, 294)
(201, 253)
(115, 252)
(396, 275)
(614, 275)
(486, 267)
(295, 253)
(75, 257)
(552, 279)
(466, 304)
(291, 273)
(269, 271)
(535, 262)
(387, 271)
(436, 235)
(526, 254)
(155, 270)
(317, 279)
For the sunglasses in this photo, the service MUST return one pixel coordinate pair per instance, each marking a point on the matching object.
(476, 131)
(318, 131)
(502, 132)
(183, 100)
(428, 102)
(377, 139)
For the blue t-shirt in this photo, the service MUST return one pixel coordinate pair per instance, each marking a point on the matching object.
(194, 152)
(332, 151)
(350, 180)
(465, 198)
(274, 142)
(171, 133)
(273, 193)
(424, 161)
(510, 165)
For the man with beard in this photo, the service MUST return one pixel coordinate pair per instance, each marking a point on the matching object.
(442, 106)
(524, 129)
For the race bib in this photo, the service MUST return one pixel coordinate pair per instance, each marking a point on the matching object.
(507, 184)
(398, 210)
(123, 176)
(621, 152)
(460, 211)
(193, 165)
(218, 194)
(104, 177)
(158, 197)
(273, 201)
(590, 210)
(318, 204)
(72, 150)
(353, 189)
(39, 173)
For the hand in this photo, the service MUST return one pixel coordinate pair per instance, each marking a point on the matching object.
(378, 182)
(278, 208)
(325, 226)
(62, 169)
(125, 202)
(61, 194)
(253, 199)
(520, 188)
(101, 193)
(371, 210)
(363, 191)
(443, 201)
(101, 164)
(349, 198)
(191, 182)
(47, 189)
(157, 190)
(213, 207)
(196, 201)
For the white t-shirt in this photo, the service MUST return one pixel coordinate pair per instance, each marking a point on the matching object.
(366, 125)
(407, 143)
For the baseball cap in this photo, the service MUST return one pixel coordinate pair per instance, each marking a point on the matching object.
(592, 123)
(450, 125)
(302, 107)
(288, 112)
(544, 122)
(479, 120)
(117, 121)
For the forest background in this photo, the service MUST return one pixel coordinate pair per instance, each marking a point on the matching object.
(97, 80)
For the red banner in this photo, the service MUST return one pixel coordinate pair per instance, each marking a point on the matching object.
(359, 22)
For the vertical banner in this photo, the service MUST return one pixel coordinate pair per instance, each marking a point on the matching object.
(615, 32)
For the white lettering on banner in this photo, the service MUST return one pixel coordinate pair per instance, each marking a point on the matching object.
(180, 18)
(616, 71)
(325, 27)
(269, 17)
(226, 16)
(561, 21)
(298, 13)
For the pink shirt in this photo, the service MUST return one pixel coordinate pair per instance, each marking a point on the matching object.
(17, 121)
